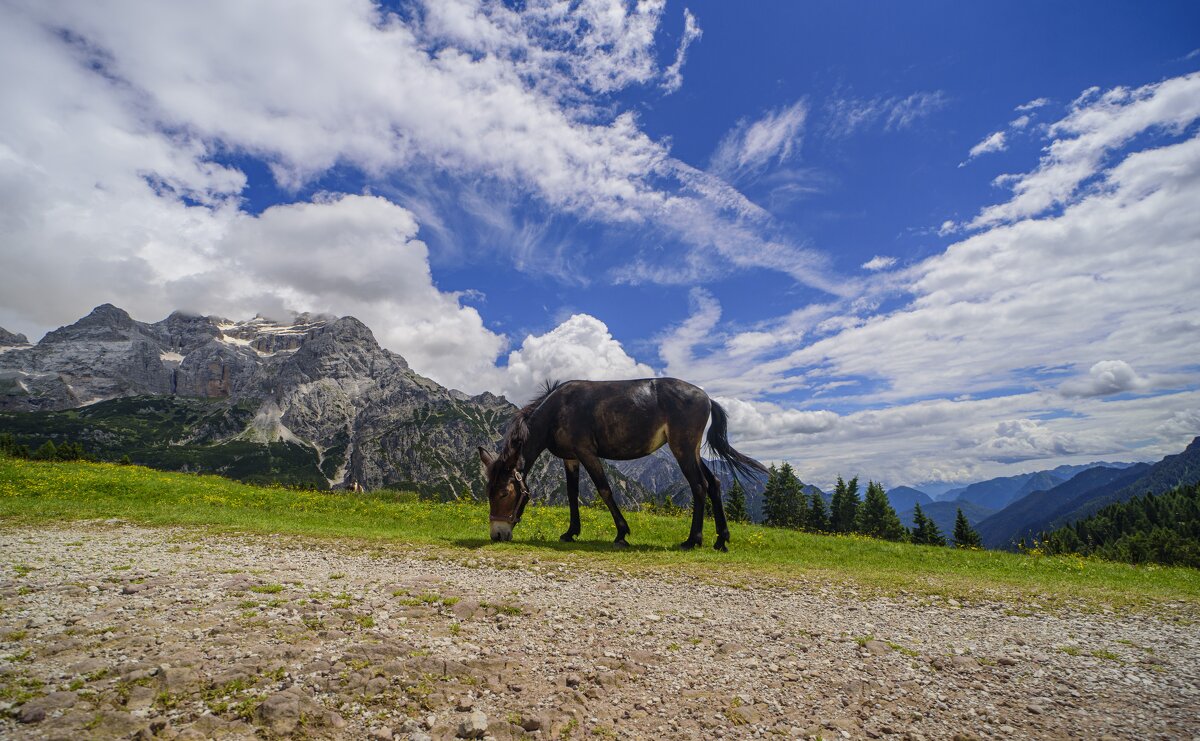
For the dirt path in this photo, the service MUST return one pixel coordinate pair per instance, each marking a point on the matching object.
(115, 631)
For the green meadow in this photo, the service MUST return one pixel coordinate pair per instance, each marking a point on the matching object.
(39, 494)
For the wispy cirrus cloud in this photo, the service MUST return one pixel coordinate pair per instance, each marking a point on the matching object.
(673, 75)
(846, 115)
(751, 146)
(1097, 124)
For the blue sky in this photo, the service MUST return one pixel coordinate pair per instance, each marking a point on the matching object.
(919, 243)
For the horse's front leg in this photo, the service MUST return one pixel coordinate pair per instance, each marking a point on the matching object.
(595, 470)
(572, 469)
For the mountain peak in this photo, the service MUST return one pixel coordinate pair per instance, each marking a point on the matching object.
(11, 339)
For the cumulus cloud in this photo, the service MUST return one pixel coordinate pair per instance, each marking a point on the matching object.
(1106, 378)
(751, 146)
(579, 348)
(1024, 439)
(761, 420)
(128, 195)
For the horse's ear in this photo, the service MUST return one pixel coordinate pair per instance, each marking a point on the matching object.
(486, 456)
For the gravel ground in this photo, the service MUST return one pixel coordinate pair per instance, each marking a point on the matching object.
(110, 630)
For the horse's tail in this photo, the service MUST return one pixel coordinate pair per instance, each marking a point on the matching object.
(718, 442)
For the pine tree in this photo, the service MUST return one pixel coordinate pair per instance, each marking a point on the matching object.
(965, 535)
(845, 507)
(925, 531)
(774, 507)
(877, 518)
(795, 504)
(818, 515)
(47, 452)
(836, 505)
(735, 503)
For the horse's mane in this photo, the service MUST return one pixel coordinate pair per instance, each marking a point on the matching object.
(518, 428)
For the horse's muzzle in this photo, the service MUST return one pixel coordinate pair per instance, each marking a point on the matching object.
(501, 531)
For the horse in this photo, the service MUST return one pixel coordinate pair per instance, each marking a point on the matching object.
(582, 422)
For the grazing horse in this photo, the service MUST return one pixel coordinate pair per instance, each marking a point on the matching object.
(585, 421)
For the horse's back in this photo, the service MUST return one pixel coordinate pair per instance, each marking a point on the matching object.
(621, 420)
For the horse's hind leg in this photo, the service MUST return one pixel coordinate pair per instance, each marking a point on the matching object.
(572, 469)
(596, 471)
(689, 462)
(714, 497)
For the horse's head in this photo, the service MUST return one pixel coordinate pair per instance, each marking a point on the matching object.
(506, 490)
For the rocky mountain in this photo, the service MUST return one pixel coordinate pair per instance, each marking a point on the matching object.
(314, 401)
(10, 340)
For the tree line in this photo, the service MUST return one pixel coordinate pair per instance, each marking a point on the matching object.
(1155, 528)
(47, 451)
(785, 504)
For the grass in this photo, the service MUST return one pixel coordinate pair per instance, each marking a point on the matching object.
(36, 493)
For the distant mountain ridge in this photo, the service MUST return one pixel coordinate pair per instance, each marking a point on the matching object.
(1025, 517)
(904, 497)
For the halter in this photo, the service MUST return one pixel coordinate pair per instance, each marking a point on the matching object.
(522, 500)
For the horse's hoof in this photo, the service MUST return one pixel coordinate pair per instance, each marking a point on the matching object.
(689, 544)
(567, 537)
(721, 547)
(620, 543)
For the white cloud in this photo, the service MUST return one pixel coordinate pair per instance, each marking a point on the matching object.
(752, 146)
(579, 348)
(986, 334)
(354, 255)
(673, 75)
(847, 116)
(1097, 125)
(994, 142)
(1025, 439)
(1033, 105)
(765, 421)
(1020, 122)
(111, 190)
(879, 263)
(1105, 378)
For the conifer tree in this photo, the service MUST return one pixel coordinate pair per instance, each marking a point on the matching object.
(735, 503)
(794, 511)
(965, 535)
(774, 507)
(845, 507)
(47, 452)
(818, 514)
(925, 531)
(877, 518)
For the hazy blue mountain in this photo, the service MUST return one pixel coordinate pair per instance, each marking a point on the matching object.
(1173, 470)
(944, 514)
(999, 492)
(904, 497)
(1025, 516)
